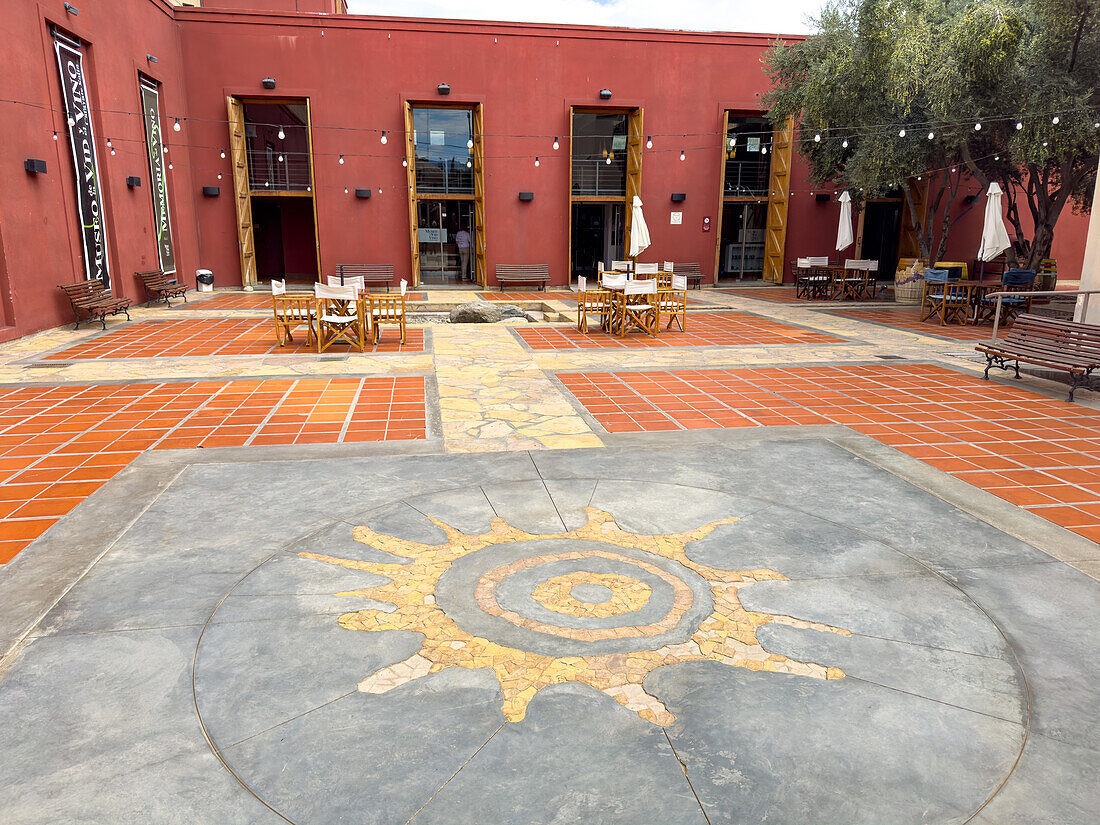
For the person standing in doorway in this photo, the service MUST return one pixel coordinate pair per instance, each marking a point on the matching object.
(462, 241)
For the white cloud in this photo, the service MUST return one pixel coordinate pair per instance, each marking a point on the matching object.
(771, 16)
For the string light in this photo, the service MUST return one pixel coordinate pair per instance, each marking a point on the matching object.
(817, 138)
(1044, 144)
(978, 126)
(1055, 120)
(384, 139)
(901, 133)
(70, 120)
(108, 143)
(469, 164)
(555, 144)
(469, 143)
(845, 143)
(345, 190)
(649, 142)
(931, 135)
(1019, 125)
(608, 161)
(682, 155)
(763, 150)
(404, 161)
(223, 154)
(280, 158)
(282, 134)
(170, 165)
(341, 160)
(219, 175)
(536, 160)
(55, 133)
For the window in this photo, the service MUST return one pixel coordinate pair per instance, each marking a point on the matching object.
(599, 154)
(442, 142)
(279, 164)
(748, 157)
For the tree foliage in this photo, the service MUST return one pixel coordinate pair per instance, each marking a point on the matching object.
(888, 94)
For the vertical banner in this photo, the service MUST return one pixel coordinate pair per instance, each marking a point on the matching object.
(150, 106)
(89, 192)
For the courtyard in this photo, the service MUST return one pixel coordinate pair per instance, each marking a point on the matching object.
(795, 564)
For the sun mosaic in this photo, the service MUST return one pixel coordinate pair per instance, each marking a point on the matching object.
(596, 605)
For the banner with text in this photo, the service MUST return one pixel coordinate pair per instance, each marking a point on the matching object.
(150, 105)
(89, 192)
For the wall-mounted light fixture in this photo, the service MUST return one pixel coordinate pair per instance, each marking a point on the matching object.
(132, 181)
(822, 197)
(211, 191)
(71, 9)
(605, 94)
(35, 166)
(362, 193)
(268, 83)
(526, 196)
(679, 196)
(443, 88)
(151, 58)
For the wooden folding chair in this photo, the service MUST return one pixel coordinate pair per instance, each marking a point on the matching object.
(291, 312)
(356, 281)
(673, 302)
(622, 266)
(590, 301)
(388, 309)
(638, 307)
(645, 271)
(341, 316)
(943, 297)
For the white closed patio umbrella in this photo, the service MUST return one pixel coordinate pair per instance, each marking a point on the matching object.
(844, 235)
(639, 232)
(994, 235)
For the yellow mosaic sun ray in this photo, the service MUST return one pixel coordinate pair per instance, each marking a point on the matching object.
(727, 635)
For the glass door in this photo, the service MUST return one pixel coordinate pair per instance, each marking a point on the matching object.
(445, 238)
(743, 229)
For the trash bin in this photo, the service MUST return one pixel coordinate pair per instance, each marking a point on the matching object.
(204, 280)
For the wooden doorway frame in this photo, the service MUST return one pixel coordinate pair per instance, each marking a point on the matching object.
(478, 128)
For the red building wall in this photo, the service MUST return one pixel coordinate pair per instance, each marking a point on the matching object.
(357, 72)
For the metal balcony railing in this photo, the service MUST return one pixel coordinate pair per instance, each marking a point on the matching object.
(443, 178)
(595, 176)
(266, 173)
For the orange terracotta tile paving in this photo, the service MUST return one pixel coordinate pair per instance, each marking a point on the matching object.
(512, 297)
(777, 294)
(214, 336)
(59, 444)
(1040, 453)
(908, 318)
(703, 329)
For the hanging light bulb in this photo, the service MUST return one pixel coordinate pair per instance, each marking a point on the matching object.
(996, 157)
(817, 138)
(384, 139)
(1055, 120)
(469, 143)
(223, 154)
(901, 133)
(1094, 126)
(309, 188)
(469, 164)
(763, 150)
(112, 151)
(280, 158)
(219, 175)
(170, 165)
(341, 159)
(682, 155)
(978, 126)
(282, 134)
(70, 120)
(931, 135)
(176, 126)
(345, 190)
(1019, 125)
(608, 161)
(918, 177)
(952, 170)
(845, 143)
(649, 142)
(55, 135)
(555, 144)
(404, 161)
(379, 190)
(536, 160)
(163, 149)
(1044, 144)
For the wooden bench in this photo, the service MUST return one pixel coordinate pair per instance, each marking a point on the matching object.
(162, 287)
(93, 299)
(693, 273)
(1066, 346)
(523, 274)
(372, 274)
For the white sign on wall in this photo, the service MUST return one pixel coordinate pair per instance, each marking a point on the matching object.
(676, 218)
(431, 234)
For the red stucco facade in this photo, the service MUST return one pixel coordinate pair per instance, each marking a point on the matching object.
(357, 72)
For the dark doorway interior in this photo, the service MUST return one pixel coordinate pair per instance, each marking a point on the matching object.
(284, 237)
(881, 225)
(597, 237)
(742, 250)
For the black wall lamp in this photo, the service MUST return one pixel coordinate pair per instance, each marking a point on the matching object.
(605, 94)
(443, 88)
(35, 166)
(132, 181)
(151, 58)
(679, 196)
(211, 191)
(71, 9)
(822, 197)
(526, 196)
(268, 82)
(362, 193)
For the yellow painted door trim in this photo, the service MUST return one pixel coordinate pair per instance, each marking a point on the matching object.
(410, 174)
(634, 130)
(242, 198)
(479, 193)
(721, 194)
(779, 194)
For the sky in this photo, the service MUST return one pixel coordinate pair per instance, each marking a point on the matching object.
(770, 16)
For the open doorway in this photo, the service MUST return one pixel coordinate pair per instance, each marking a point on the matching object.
(597, 236)
(742, 245)
(881, 224)
(284, 237)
